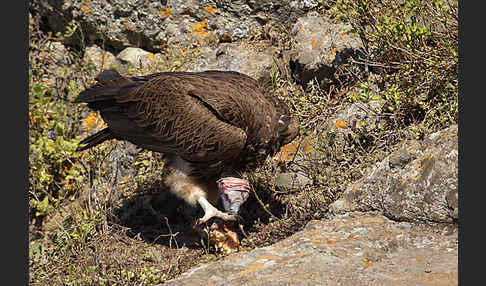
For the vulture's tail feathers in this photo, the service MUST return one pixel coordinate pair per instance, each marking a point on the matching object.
(110, 83)
(95, 139)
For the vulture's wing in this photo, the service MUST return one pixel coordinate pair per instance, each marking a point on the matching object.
(191, 115)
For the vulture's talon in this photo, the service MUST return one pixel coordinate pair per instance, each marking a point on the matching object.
(217, 214)
(211, 212)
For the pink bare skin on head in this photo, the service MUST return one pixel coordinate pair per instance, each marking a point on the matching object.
(234, 192)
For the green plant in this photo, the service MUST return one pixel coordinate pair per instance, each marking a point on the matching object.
(54, 170)
(363, 94)
(412, 45)
(52, 159)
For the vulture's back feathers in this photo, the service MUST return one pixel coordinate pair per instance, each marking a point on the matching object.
(214, 119)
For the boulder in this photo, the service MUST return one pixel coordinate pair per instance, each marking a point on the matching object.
(319, 46)
(417, 182)
(353, 249)
(152, 25)
(354, 120)
(116, 24)
(99, 58)
(135, 58)
(240, 57)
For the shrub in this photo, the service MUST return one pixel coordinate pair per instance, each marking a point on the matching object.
(412, 45)
(54, 173)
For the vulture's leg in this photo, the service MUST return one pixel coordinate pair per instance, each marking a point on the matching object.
(185, 187)
(210, 211)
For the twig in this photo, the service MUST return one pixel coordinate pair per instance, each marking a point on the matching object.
(263, 205)
(170, 234)
(242, 230)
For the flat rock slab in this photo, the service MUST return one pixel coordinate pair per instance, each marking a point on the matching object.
(351, 249)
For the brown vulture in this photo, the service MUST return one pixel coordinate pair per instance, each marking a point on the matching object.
(211, 127)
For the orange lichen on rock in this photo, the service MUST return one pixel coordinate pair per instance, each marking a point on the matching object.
(201, 29)
(166, 12)
(340, 124)
(316, 44)
(288, 152)
(209, 9)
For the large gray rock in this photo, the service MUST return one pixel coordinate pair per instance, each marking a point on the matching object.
(229, 20)
(319, 46)
(238, 57)
(233, 20)
(353, 249)
(117, 24)
(418, 182)
(152, 25)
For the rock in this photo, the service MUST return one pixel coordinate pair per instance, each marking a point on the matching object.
(121, 161)
(228, 19)
(318, 47)
(240, 57)
(135, 57)
(284, 12)
(287, 180)
(417, 182)
(117, 24)
(235, 20)
(353, 249)
(58, 52)
(99, 58)
(354, 119)
(152, 25)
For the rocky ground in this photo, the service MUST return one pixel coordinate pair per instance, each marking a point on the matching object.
(351, 249)
(367, 194)
(397, 240)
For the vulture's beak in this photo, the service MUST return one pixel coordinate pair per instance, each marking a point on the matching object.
(234, 192)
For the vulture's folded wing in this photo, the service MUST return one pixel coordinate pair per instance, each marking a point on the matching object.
(170, 113)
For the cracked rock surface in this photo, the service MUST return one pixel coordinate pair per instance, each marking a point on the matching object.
(351, 249)
(417, 182)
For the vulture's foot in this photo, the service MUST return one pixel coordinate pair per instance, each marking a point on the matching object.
(211, 212)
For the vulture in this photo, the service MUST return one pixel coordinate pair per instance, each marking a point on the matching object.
(211, 126)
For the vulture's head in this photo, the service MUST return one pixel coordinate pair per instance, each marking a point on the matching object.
(234, 191)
